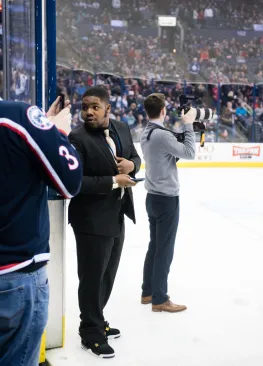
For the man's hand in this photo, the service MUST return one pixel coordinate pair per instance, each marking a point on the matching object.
(125, 166)
(124, 181)
(63, 120)
(55, 108)
(190, 116)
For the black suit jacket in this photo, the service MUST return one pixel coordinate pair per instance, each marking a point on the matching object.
(97, 209)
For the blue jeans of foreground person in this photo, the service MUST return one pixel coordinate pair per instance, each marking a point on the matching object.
(24, 301)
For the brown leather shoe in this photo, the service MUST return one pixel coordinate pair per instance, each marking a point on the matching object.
(146, 300)
(168, 306)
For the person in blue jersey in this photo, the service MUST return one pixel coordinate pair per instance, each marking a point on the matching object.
(35, 153)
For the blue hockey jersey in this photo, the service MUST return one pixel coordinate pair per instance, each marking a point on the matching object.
(34, 154)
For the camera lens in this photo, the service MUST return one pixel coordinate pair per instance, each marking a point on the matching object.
(204, 114)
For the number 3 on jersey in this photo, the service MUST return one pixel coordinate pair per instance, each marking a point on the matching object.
(73, 162)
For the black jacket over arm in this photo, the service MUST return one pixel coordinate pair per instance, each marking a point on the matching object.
(96, 209)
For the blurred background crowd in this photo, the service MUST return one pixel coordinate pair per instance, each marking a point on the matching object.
(214, 52)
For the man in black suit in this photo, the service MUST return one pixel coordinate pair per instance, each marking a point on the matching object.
(96, 214)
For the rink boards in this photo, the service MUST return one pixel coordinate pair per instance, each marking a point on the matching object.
(224, 155)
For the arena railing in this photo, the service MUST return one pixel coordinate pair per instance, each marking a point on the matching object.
(211, 95)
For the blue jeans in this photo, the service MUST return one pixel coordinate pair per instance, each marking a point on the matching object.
(24, 301)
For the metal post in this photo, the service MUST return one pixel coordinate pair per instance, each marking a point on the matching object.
(32, 44)
(254, 113)
(4, 46)
(44, 99)
(122, 89)
(39, 54)
(153, 85)
(51, 50)
(71, 85)
(218, 110)
(185, 86)
(6, 31)
(51, 63)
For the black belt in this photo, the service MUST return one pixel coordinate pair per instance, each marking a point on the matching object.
(32, 267)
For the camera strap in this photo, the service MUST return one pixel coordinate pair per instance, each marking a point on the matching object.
(178, 136)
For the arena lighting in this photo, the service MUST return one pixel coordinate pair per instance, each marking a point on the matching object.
(166, 21)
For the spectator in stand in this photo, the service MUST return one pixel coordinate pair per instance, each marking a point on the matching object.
(194, 69)
(228, 115)
(244, 112)
(209, 16)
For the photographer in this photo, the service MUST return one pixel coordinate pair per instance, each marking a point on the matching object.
(161, 150)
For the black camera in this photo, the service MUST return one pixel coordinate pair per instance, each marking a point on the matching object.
(203, 114)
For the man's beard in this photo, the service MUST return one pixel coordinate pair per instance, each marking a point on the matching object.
(96, 125)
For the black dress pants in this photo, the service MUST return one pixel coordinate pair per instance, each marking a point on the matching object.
(163, 214)
(98, 262)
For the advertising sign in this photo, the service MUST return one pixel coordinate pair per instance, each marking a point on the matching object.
(205, 153)
(246, 152)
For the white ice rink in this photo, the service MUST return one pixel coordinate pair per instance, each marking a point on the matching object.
(217, 272)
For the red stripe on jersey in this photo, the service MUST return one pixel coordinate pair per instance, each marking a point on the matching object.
(8, 266)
